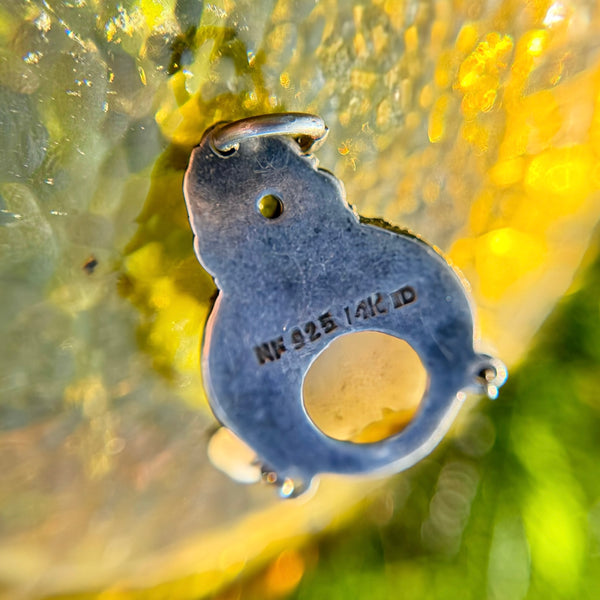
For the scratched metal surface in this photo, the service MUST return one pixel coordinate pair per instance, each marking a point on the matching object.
(306, 271)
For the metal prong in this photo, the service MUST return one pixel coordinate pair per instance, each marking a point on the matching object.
(306, 128)
(491, 377)
(286, 486)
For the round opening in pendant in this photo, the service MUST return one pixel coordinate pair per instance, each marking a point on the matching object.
(364, 387)
(270, 206)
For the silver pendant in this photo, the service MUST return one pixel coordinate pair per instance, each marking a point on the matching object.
(296, 268)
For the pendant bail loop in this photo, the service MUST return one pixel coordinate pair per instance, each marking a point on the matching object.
(309, 130)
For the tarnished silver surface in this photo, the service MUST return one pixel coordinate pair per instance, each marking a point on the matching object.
(290, 285)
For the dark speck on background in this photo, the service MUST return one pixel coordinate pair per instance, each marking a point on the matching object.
(90, 265)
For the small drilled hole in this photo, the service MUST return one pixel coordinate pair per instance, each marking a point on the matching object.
(270, 206)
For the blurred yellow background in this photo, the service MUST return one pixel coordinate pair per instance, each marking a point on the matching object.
(474, 124)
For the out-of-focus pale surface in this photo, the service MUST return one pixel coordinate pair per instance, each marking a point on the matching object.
(364, 387)
(476, 124)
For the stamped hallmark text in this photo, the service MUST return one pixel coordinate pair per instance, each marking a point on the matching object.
(373, 306)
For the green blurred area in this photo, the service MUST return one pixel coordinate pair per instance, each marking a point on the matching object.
(516, 517)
